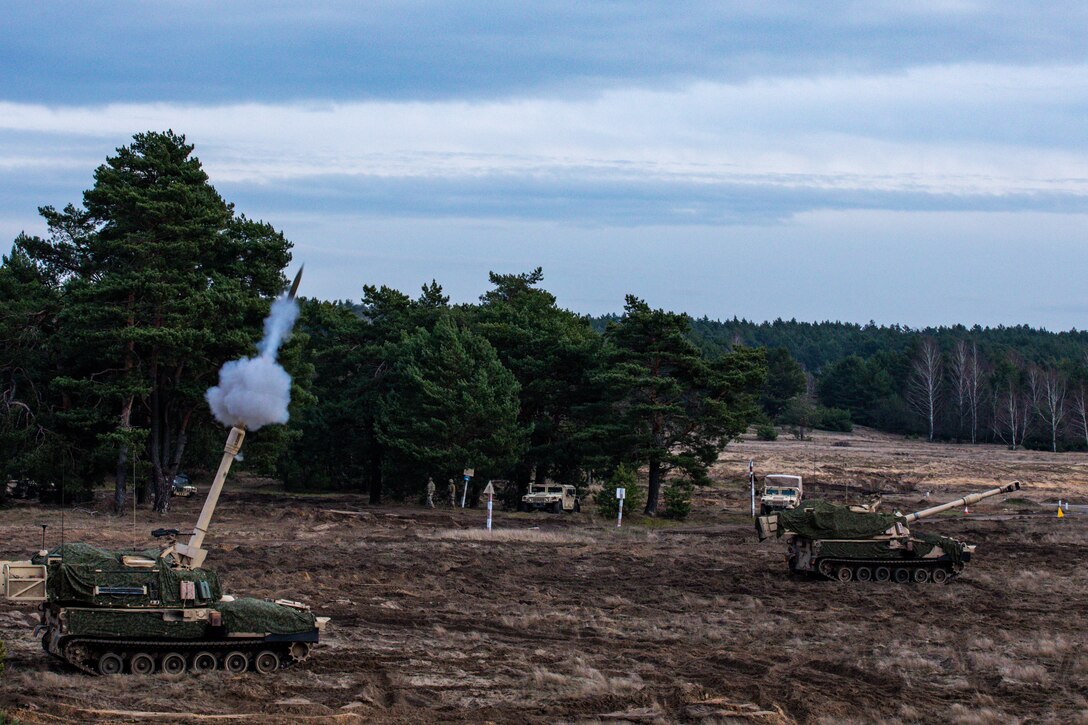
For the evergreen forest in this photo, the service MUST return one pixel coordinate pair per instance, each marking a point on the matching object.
(116, 322)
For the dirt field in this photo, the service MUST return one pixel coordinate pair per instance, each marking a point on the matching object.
(565, 619)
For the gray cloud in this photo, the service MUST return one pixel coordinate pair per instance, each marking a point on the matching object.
(74, 52)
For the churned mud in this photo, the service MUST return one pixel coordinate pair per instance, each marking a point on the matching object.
(563, 618)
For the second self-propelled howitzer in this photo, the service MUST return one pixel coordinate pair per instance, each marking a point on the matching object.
(858, 542)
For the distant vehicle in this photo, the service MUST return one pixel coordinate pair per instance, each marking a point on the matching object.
(553, 497)
(22, 488)
(182, 486)
(780, 493)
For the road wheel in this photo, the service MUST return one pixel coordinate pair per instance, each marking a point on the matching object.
(921, 575)
(940, 576)
(902, 576)
(864, 574)
(827, 569)
(266, 661)
(141, 664)
(204, 662)
(882, 574)
(173, 663)
(110, 663)
(235, 662)
(844, 574)
(577, 506)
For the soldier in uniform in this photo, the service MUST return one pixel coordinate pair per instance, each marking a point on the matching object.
(430, 493)
(453, 493)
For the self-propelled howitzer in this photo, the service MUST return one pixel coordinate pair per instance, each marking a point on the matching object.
(858, 542)
(146, 611)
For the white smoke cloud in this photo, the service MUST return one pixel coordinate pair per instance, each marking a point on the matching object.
(277, 326)
(255, 391)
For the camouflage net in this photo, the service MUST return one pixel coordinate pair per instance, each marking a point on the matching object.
(824, 520)
(259, 615)
(86, 575)
(131, 624)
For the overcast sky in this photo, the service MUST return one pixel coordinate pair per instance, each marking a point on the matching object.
(920, 163)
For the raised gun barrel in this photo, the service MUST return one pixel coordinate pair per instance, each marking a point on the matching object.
(965, 501)
(191, 555)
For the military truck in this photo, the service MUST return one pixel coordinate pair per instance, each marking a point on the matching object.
(781, 492)
(149, 611)
(553, 497)
(182, 486)
(860, 543)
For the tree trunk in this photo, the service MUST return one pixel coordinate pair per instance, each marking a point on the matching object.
(179, 446)
(374, 469)
(119, 491)
(161, 489)
(654, 491)
(126, 419)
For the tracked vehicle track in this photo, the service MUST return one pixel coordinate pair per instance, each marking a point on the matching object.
(114, 656)
(904, 571)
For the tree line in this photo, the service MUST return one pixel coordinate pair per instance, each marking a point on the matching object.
(117, 321)
(1018, 386)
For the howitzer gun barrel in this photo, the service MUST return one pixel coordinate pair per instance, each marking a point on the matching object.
(965, 501)
(191, 555)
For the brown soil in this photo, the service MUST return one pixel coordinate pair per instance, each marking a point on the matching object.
(563, 618)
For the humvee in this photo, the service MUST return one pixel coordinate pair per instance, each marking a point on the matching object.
(182, 486)
(781, 492)
(553, 497)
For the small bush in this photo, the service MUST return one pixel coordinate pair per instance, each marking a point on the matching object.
(834, 419)
(608, 505)
(767, 432)
(678, 500)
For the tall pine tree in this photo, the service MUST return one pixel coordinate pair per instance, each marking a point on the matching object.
(678, 408)
(162, 285)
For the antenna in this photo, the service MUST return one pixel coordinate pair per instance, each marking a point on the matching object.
(134, 500)
(44, 527)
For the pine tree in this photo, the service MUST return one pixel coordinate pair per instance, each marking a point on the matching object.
(162, 285)
(553, 354)
(450, 404)
(679, 409)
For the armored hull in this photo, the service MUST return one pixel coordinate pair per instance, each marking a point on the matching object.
(113, 612)
(914, 559)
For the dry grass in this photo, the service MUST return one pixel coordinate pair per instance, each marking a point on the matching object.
(534, 536)
(583, 680)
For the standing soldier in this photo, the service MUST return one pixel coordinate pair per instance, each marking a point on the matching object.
(430, 493)
(453, 494)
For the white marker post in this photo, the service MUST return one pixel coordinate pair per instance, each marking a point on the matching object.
(752, 484)
(621, 493)
(490, 492)
(468, 477)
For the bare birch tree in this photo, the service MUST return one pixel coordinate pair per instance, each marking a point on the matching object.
(1080, 411)
(974, 389)
(1053, 404)
(959, 364)
(1013, 409)
(924, 386)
